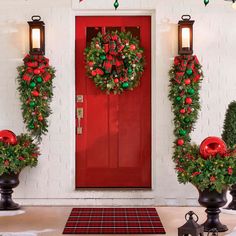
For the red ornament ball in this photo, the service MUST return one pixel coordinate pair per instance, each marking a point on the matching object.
(94, 73)
(35, 93)
(132, 47)
(187, 81)
(40, 118)
(37, 71)
(182, 111)
(188, 100)
(116, 81)
(91, 63)
(180, 142)
(8, 137)
(212, 146)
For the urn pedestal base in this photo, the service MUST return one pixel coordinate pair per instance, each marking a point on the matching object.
(7, 182)
(232, 205)
(213, 200)
(213, 220)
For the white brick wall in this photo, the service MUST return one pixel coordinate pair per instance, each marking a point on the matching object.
(52, 182)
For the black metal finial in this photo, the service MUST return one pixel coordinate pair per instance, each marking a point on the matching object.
(191, 214)
(186, 17)
(36, 18)
(214, 232)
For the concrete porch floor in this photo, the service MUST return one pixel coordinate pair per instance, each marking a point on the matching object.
(50, 221)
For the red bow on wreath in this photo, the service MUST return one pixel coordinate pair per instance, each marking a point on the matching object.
(113, 48)
(184, 63)
(36, 65)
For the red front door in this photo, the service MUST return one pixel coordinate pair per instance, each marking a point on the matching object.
(113, 135)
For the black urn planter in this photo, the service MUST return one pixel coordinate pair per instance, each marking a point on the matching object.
(232, 204)
(7, 183)
(213, 200)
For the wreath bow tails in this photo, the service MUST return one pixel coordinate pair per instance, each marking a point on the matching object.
(115, 62)
(187, 66)
(35, 88)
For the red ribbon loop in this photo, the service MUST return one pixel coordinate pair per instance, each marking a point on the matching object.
(35, 63)
(113, 48)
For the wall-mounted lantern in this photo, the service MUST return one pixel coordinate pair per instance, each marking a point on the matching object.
(206, 2)
(36, 36)
(233, 3)
(185, 35)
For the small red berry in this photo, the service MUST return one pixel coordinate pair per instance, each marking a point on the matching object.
(230, 170)
(212, 178)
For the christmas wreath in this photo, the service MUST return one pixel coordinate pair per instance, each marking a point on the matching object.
(114, 61)
(35, 88)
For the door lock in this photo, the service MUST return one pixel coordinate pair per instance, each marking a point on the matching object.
(80, 115)
(80, 98)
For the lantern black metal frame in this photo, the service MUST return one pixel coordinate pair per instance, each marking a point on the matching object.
(36, 23)
(186, 22)
(191, 227)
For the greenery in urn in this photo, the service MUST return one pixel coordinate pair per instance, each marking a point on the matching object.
(13, 158)
(216, 172)
(229, 129)
(229, 136)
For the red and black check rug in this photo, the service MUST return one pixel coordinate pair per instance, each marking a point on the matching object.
(114, 221)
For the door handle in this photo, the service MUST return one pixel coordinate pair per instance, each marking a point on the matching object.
(80, 115)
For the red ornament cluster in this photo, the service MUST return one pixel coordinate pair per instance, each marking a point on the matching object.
(186, 69)
(35, 87)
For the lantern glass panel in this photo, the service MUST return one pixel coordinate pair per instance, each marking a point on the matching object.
(185, 37)
(36, 38)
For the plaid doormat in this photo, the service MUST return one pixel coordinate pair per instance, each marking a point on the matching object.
(114, 221)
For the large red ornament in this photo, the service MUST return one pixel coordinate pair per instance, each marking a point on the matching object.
(7, 136)
(212, 146)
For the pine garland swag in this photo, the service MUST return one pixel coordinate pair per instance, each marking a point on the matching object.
(115, 61)
(185, 77)
(35, 85)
